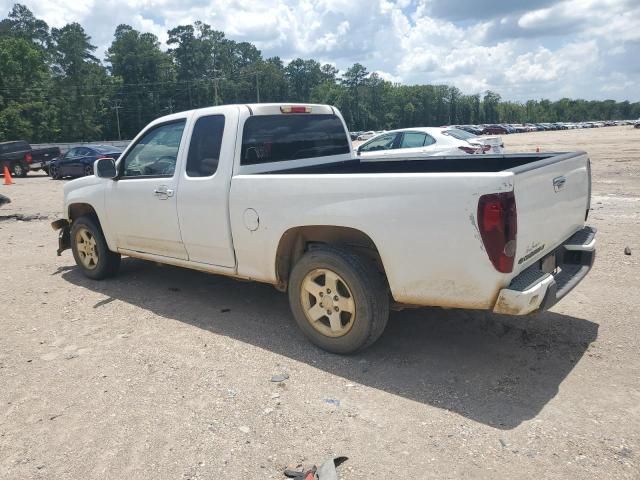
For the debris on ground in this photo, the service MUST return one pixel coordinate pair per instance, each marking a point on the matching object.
(627, 251)
(23, 218)
(280, 377)
(4, 200)
(332, 401)
(326, 471)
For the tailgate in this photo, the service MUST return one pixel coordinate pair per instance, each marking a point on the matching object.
(552, 198)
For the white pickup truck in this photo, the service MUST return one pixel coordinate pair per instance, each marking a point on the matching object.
(273, 193)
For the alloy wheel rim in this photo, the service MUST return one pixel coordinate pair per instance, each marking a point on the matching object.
(328, 303)
(87, 248)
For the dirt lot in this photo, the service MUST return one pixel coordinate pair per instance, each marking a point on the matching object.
(165, 373)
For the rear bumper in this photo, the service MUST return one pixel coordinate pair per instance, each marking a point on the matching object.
(534, 290)
(37, 165)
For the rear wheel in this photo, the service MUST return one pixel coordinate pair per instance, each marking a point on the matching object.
(20, 170)
(339, 299)
(88, 170)
(90, 250)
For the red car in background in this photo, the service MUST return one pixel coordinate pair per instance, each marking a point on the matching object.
(494, 130)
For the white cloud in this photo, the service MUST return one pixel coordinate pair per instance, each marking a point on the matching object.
(522, 49)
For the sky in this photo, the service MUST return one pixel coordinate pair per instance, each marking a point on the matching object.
(522, 49)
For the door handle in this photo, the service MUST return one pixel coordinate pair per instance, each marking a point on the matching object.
(163, 192)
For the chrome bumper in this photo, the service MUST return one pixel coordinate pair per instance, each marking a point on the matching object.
(534, 290)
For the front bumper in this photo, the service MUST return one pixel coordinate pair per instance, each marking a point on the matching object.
(534, 290)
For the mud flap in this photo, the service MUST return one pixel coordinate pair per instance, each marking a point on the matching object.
(64, 237)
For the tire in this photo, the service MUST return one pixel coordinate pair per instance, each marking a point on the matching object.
(54, 173)
(45, 170)
(357, 279)
(88, 170)
(90, 250)
(20, 170)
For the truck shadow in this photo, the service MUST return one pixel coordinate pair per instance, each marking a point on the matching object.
(496, 370)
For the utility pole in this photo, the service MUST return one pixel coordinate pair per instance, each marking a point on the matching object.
(257, 88)
(215, 71)
(117, 106)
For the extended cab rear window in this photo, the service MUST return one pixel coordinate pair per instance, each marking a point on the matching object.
(278, 138)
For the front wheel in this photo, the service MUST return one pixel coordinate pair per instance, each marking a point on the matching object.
(90, 250)
(54, 172)
(339, 299)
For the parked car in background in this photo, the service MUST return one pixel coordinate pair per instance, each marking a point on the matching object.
(366, 135)
(21, 158)
(474, 129)
(428, 141)
(637, 124)
(494, 130)
(78, 161)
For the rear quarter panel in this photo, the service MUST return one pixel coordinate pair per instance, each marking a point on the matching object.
(424, 226)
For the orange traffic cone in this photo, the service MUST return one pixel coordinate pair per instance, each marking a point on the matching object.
(7, 176)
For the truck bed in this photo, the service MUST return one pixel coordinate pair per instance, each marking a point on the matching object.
(379, 198)
(517, 162)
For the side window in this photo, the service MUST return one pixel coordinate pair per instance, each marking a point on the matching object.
(429, 140)
(156, 153)
(82, 152)
(70, 154)
(384, 142)
(413, 140)
(204, 150)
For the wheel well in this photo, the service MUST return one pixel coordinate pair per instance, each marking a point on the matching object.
(296, 241)
(78, 210)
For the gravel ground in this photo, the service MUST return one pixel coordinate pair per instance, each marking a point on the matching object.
(166, 373)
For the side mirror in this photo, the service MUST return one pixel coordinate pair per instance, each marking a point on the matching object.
(358, 151)
(105, 168)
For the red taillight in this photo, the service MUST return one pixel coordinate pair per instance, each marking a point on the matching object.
(295, 109)
(101, 156)
(28, 158)
(498, 225)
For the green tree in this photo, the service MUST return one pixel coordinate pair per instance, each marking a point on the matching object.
(146, 77)
(81, 84)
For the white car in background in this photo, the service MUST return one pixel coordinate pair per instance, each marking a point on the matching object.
(429, 141)
(367, 135)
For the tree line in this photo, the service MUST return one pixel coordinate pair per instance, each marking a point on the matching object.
(54, 88)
